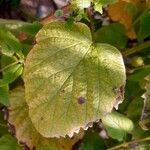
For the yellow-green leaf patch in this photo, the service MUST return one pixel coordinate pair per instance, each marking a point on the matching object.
(70, 80)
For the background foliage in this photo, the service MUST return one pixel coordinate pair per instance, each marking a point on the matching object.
(124, 24)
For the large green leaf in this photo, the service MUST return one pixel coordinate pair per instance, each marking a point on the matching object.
(71, 79)
(25, 131)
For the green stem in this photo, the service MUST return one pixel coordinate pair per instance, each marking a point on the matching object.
(89, 12)
(129, 143)
(12, 64)
(136, 49)
(141, 67)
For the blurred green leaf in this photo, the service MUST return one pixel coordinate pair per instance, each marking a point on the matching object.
(12, 73)
(4, 95)
(92, 141)
(7, 142)
(139, 74)
(117, 125)
(83, 3)
(6, 60)
(16, 26)
(9, 44)
(144, 30)
(113, 34)
(11, 69)
(98, 4)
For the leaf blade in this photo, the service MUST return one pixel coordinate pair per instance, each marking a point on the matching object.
(68, 73)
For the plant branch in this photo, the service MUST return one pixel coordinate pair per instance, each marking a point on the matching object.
(89, 12)
(138, 68)
(12, 64)
(136, 49)
(126, 144)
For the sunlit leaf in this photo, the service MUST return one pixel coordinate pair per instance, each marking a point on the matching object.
(83, 3)
(25, 131)
(66, 70)
(98, 4)
(117, 125)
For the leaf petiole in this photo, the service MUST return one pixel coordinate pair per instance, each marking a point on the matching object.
(12, 64)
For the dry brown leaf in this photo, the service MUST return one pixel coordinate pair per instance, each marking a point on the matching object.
(25, 131)
(118, 13)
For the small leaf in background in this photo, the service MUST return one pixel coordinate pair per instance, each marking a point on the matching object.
(75, 74)
(4, 95)
(113, 34)
(58, 13)
(98, 4)
(145, 117)
(139, 74)
(7, 142)
(117, 125)
(25, 131)
(83, 3)
(92, 141)
(16, 26)
(137, 61)
(9, 44)
(12, 72)
(144, 30)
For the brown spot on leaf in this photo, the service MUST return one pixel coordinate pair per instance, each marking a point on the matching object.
(81, 100)
(42, 118)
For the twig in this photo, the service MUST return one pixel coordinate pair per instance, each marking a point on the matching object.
(138, 68)
(12, 64)
(89, 12)
(136, 49)
(129, 143)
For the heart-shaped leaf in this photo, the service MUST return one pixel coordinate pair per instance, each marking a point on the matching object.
(71, 81)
